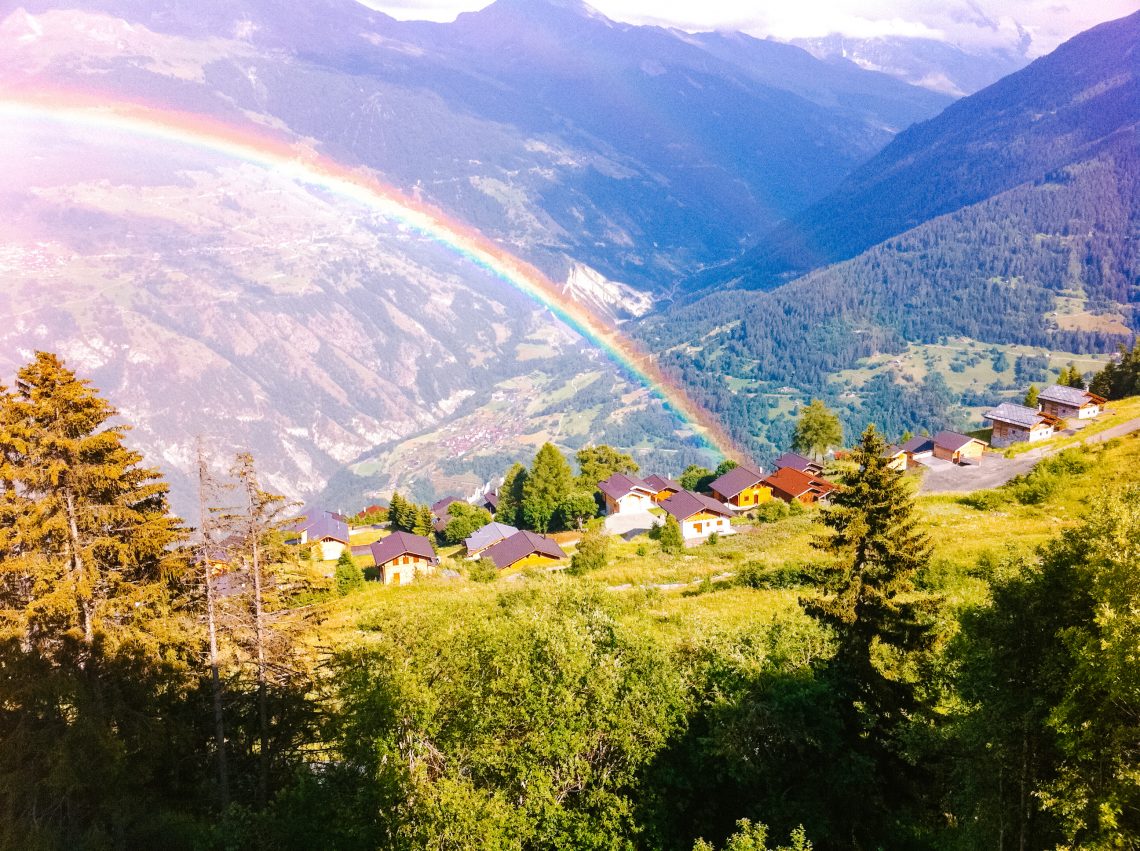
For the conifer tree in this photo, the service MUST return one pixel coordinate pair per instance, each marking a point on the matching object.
(424, 523)
(397, 513)
(874, 536)
(1031, 396)
(548, 483)
(511, 496)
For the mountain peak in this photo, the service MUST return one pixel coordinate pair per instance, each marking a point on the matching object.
(536, 10)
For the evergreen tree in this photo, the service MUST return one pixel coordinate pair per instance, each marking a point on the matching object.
(348, 575)
(817, 430)
(1120, 378)
(398, 513)
(1031, 396)
(463, 520)
(511, 496)
(724, 466)
(878, 547)
(598, 463)
(424, 523)
(695, 478)
(549, 481)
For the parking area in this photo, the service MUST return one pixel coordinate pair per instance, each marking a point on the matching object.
(629, 524)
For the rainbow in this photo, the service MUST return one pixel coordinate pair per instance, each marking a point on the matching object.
(304, 166)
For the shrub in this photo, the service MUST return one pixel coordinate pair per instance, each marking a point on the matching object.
(771, 511)
(483, 570)
(985, 500)
(713, 538)
(592, 552)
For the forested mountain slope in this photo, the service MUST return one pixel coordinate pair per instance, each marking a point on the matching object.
(1065, 108)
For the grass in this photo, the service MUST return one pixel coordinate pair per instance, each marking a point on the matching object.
(693, 607)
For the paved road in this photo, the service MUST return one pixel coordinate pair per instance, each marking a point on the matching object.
(995, 470)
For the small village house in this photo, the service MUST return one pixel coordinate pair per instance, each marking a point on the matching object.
(896, 458)
(1070, 403)
(626, 494)
(402, 556)
(741, 488)
(698, 515)
(1019, 424)
(487, 536)
(489, 501)
(789, 484)
(439, 508)
(325, 531)
(799, 462)
(524, 549)
(957, 448)
(665, 487)
(918, 449)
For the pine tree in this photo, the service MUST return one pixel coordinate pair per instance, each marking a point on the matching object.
(99, 514)
(511, 496)
(1031, 396)
(670, 536)
(397, 513)
(874, 536)
(424, 523)
(348, 576)
(548, 483)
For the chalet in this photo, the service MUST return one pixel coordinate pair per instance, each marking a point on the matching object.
(326, 530)
(958, 448)
(896, 458)
(488, 536)
(1019, 424)
(489, 501)
(698, 515)
(626, 494)
(741, 488)
(402, 556)
(439, 508)
(1070, 403)
(521, 547)
(665, 487)
(790, 484)
(799, 462)
(918, 449)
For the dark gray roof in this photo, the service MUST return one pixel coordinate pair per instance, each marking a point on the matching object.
(1008, 412)
(402, 543)
(952, 440)
(520, 545)
(922, 443)
(1073, 396)
(491, 533)
(619, 484)
(736, 480)
(685, 504)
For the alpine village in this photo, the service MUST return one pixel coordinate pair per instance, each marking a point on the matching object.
(556, 427)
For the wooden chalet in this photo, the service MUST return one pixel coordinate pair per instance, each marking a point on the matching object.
(789, 484)
(665, 487)
(799, 462)
(958, 448)
(1019, 424)
(698, 515)
(741, 488)
(402, 556)
(487, 536)
(524, 548)
(1070, 403)
(626, 494)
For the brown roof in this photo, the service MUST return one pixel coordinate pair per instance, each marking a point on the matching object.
(736, 480)
(952, 440)
(660, 483)
(795, 483)
(401, 543)
(619, 484)
(520, 545)
(439, 509)
(685, 504)
(797, 462)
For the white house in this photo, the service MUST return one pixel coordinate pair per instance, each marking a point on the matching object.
(625, 494)
(698, 515)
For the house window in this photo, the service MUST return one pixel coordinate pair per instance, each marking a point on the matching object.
(697, 527)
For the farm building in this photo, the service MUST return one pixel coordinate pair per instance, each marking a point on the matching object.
(1019, 424)
(524, 546)
(698, 515)
(402, 556)
(958, 448)
(741, 488)
(1070, 403)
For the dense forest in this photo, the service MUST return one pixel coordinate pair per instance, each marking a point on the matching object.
(165, 687)
(992, 272)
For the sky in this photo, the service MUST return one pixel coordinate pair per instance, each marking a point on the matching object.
(967, 23)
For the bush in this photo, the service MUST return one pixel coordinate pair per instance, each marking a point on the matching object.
(985, 500)
(713, 538)
(483, 570)
(771, 511)
(348, 576)
(592, 552)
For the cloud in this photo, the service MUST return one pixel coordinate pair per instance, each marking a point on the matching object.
(1015, 24)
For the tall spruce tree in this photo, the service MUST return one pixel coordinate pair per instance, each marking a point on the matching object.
(869, 602)
(511, 496)
(548, 483)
